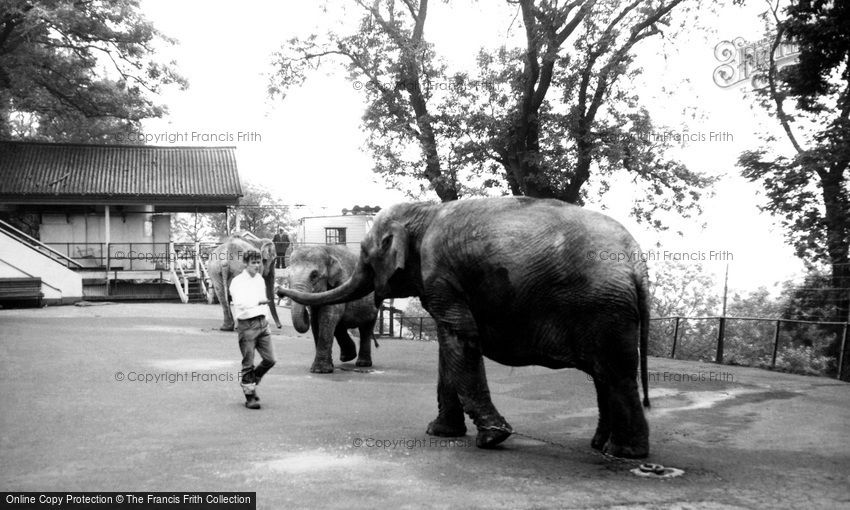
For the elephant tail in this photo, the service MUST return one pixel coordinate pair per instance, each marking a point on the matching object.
(643, 310)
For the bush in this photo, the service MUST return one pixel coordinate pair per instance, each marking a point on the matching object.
(799, 360)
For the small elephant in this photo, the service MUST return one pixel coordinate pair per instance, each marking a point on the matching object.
(225, 263)
(522, 281)
(317, 269)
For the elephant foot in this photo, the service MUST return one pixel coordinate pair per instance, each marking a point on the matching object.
(640, 451)
(489, 437)
(363, 363)
(599, 439)
(322, 367)
(343, 356)
(445, 428)
(225, 327)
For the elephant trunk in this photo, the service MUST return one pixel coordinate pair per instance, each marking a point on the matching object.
(300, 318)
(359, 285)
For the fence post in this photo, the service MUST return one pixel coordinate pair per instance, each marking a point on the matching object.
(420, 329)
(400, 324)
(841, 350)
(721, 332)
(392, 326)
(381, 322)
(775, 343)
(675, 338)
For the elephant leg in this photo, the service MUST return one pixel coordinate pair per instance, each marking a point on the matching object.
(323, 335)
(462, 368)
(450, 419)
(364, 356)
(347, 348)
(629, 430)
(603, 428)
(223, 298)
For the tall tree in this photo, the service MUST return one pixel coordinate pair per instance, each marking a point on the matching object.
(73, 70)
(390, 57)
(537, 120)
(807, 182)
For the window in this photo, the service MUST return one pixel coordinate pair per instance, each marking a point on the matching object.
(334, 235)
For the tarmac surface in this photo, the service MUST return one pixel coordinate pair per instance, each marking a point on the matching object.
(79, 415)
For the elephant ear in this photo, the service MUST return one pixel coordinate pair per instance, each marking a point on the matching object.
(335, 273)
(267, 250)
(393, 254)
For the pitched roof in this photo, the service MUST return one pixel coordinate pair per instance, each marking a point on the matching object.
(77, 173)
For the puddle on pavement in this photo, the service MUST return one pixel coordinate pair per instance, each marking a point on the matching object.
(360, 370)
(693, 400)
(310, 462)
(171, 330)
(676, 401)
(197, 364)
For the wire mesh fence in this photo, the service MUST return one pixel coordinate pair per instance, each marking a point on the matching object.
(748, 341)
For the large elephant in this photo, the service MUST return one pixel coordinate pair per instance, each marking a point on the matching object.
(225, 263)
(317, 269)
(522, 281)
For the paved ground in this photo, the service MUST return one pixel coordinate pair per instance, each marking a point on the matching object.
(745, 437)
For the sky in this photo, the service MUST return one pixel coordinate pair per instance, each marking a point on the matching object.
(307, 148)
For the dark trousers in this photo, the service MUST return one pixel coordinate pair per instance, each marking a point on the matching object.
(254, 334)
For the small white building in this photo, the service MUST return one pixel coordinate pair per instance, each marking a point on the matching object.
(347, 229)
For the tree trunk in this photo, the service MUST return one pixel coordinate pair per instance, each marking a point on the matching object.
(837, 219)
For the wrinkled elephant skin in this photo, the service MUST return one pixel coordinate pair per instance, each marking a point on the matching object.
(522, 281)
(317, 269)
(226, 262)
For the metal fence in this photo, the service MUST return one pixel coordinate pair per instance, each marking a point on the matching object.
(750, 341)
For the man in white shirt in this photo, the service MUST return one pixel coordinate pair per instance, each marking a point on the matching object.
(248, 292)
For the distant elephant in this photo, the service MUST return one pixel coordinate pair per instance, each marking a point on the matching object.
(317, 269)
(225, 263)
(522, 281)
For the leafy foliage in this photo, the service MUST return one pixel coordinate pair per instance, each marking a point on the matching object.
(809, 191)
(259, 213)
(541, 120)
(78, 71)
(799, 360)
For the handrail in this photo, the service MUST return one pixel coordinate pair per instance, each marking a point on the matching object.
(39, 243)
(205, 275)
(176, 279)
(57, 289)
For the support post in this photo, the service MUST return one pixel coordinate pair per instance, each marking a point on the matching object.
(841, 351)
(775, 343)
(721, 333)
(422, 318)
(675, 338)
(106, 239)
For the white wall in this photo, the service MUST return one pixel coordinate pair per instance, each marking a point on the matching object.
(18, 260)
(150, 241)
(312, 230)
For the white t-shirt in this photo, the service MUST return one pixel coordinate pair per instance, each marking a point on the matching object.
(247, 292)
